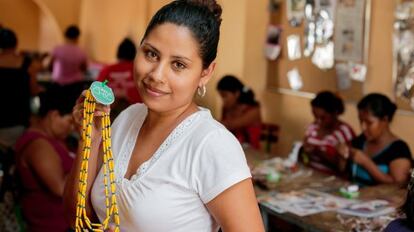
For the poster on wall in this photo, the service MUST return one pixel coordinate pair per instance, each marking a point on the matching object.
(326, 5)
(349, 30)
(403, 48)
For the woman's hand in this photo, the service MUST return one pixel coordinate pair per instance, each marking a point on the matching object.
(358, 156)
(343, 150)
(308, 148)
(77, 115)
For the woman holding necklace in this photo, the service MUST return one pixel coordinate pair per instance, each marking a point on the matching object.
(176, 168)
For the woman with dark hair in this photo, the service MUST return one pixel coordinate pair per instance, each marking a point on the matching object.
(18, 83)
(176, 168)
(43, 163)
(69, 61)
(378, 156)
(324, 135)
(240, 112)
(120, 77)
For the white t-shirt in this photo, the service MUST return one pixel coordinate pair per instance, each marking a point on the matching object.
(198, 160)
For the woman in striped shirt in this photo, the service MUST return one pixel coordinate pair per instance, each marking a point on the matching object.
(324, 135)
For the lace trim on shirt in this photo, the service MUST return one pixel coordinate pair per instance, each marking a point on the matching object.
(176, 133)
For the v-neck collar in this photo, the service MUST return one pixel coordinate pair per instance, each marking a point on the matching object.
(126, 151)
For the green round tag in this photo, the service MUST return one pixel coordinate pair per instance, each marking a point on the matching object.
(102, 93)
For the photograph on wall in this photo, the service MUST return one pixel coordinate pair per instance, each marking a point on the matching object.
(273, 46)
(295, 11)
(349, 30)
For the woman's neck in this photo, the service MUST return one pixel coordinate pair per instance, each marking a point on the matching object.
(386, 137)
(155, 119)
(332, 127)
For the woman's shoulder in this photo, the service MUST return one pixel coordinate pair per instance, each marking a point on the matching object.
(132, 112)
(129, 117)
(399, 143)
(27, 138)
(33, 144)
(401, 148)
(206, 123)
(207, 127)
(343, 124)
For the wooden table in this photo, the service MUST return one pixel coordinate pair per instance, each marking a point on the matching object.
(326, 221)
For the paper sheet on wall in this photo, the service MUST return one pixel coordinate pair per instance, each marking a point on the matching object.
(295, 80)
(349, 30)
(357, 72)
(323, 57)
(293, 46)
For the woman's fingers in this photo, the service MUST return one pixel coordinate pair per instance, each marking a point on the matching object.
(100, 110)
(343, 150)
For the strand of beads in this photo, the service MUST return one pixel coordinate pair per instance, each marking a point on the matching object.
(82, 222)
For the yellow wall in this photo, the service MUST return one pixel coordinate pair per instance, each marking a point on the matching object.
(23, 17)
(231, 51)
(105, 22)
(67, 12)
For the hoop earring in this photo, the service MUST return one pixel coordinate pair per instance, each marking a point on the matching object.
(201, 91)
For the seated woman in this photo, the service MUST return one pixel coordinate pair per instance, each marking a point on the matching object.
(324, 135)
(378, 155)
(43, 162)
(241, 112)
(18, 84)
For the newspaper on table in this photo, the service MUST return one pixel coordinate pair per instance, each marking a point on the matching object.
(306, 202)
(368, 209)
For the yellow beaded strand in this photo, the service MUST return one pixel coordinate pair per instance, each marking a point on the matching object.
(82, 222)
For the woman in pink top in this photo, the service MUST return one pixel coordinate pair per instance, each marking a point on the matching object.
(68, 61)
(43, 162)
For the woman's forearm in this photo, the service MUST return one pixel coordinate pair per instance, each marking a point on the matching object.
(374, 171)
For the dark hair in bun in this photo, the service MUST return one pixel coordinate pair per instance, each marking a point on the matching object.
(329, 102)
(201, 17)
(232, 84)
(379, 105)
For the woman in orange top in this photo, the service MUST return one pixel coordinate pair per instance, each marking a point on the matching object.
(241, 112)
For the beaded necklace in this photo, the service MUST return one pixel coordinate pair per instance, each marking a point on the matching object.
(82, 222)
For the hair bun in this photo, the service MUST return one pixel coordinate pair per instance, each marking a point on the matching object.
(212, 5)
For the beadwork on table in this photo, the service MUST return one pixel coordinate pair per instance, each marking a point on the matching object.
(82, 222)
